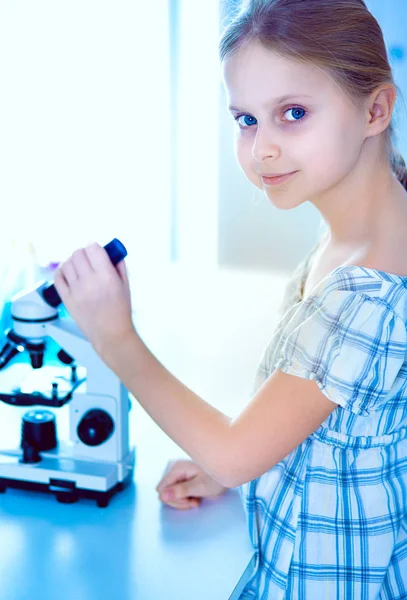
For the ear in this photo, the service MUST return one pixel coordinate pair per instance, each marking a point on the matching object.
(380, 109)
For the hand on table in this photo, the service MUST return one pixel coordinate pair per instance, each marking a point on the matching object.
(188, 484)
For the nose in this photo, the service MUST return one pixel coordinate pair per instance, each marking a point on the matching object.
(263, 147)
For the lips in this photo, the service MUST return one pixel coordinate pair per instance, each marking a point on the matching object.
(271, 175)
(276, 174)
(277, 179)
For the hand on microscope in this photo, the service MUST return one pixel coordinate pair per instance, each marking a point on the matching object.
(96, 294)
(184, 484)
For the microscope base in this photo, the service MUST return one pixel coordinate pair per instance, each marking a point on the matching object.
(69, 479)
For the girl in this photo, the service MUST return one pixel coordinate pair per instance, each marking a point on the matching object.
(321, 449)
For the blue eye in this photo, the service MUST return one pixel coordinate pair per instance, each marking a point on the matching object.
(297, 112)
(248, 123)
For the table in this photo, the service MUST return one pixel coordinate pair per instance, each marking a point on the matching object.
(136, 548)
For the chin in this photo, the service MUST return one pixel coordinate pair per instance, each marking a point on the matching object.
(285, 201)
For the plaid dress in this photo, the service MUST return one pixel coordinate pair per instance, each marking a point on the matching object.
(329, 522)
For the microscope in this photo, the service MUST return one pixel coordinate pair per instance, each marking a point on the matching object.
(95, 461)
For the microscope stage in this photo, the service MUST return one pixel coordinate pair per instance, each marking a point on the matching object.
(49, 382)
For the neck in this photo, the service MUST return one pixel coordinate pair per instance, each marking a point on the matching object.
(361, 208)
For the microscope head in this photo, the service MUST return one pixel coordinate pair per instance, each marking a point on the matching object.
(30, 314)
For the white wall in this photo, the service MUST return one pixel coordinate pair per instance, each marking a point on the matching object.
(196, 114)
(84, 121)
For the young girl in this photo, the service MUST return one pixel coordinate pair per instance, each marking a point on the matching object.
(321, 449)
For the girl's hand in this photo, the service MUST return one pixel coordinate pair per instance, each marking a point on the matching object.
(184, 484)
(96, 294)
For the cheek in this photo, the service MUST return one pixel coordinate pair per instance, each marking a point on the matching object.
(244, 158)
(334, 152)
(242, 154)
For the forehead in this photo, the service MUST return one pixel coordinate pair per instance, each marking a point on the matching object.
(256, 71)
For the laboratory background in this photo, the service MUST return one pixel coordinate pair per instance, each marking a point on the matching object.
(114, 124)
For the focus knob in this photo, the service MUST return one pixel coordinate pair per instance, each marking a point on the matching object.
(38, 433)
(95, 428)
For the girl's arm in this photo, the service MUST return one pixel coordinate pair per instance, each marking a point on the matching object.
(97, 295)
(196, 426)
(231, 451)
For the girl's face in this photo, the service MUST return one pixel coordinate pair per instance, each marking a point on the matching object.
(291, 117)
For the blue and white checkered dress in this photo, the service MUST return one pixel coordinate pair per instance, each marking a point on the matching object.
(329, 522)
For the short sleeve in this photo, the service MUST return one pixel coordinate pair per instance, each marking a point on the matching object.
(352, 345)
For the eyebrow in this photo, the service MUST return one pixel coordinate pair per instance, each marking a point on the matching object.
(279, 100)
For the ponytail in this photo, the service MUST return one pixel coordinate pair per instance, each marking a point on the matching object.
(399, 167)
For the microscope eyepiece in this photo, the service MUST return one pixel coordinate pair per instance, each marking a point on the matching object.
(116, 251)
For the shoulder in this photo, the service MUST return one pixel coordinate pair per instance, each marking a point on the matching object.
(362, 285)
(350, 336)
(350, 303)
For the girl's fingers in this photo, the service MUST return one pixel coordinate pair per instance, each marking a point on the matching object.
(69, 273)
(81, 262)
(60, 284)
(175, 472)
(121, 267)
(98, 257)
(183, 504)
(169, 476)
